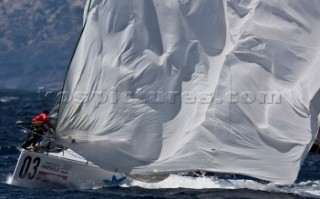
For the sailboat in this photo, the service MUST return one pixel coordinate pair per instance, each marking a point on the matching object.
(160, 87)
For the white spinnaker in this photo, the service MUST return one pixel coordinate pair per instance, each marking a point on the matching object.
(164, 86)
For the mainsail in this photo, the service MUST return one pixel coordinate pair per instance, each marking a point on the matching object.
(164, 86)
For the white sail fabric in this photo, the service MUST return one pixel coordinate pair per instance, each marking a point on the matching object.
(162, 86)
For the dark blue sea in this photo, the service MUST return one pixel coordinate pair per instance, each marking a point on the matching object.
(23, 106)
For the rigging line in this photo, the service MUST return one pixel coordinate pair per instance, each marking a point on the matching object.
(35, 133)
(74, 52)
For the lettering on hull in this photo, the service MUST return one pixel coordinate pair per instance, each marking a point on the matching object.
(46, 176)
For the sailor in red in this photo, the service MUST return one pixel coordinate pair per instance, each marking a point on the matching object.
(42, 117)
(40, 125)
(41, 121)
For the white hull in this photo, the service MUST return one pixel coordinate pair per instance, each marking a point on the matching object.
(64, 169)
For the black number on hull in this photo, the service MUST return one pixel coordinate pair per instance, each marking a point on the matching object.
(37, 162)
(25, 167)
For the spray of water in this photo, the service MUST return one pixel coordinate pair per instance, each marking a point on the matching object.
(309, 188)
(9, 179)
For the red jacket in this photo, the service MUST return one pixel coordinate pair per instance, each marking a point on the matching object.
(41, 118)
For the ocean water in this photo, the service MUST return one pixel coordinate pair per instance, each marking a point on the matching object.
(23, 106)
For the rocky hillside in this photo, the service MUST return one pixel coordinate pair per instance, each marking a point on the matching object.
(37, 38)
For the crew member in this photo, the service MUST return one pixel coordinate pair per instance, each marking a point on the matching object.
(40, 124)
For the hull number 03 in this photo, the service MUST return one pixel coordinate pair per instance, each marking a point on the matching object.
(29, 167)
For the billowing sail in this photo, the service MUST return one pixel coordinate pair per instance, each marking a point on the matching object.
(163, 86)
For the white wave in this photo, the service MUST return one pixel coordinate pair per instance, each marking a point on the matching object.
(305, 188)
(9, 179)
(8, 99)
(175, 181)
(308, 188)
